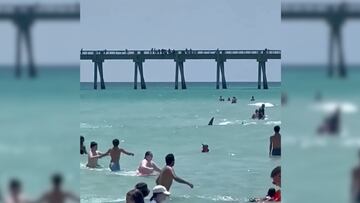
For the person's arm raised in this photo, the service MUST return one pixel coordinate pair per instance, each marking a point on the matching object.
(127, 153)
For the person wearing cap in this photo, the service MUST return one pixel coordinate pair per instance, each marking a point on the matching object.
(167, 174)
(160, 194)
(276, 176)
(137, 194)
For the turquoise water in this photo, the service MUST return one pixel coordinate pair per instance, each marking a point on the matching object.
(38, 124)
(164, 121)
(318, 168)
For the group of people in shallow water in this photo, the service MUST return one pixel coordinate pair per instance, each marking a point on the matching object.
(233, 100)
(54, 195)
(259, 113)
(166, 175)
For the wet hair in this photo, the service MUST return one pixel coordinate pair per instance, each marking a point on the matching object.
(57, 179)
(271, 192)
(93, 144)
(143, 188)
(275, 171)
(256, 110)
(115, 142)
(277, 129)
(14, 184)
(147, 154)
(82, 139)
(169, 159)
(135, 195)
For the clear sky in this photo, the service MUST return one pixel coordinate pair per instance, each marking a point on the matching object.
(307, 42)
(53, 42)
(180, 24)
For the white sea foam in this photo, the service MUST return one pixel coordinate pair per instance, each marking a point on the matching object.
(258, 104)
(273, 123)
(90, 126)
(331, 106)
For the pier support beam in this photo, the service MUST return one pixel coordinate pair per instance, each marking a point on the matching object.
(336, 49)
(262, 68)
(139, 69)
(180, 68)
(98, 66)
(24, 33)
(220, 70)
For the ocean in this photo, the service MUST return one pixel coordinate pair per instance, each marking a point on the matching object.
(39, 126)
(318, 168)
(164, 120)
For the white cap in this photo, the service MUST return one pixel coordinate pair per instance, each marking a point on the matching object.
(160, 189)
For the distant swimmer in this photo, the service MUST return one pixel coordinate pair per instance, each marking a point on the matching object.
(233, 100)
(275, 142)
(115, 154)
(94, 155)
(205, 148)
(229, 99)
(252, 98)
(82, 146)
(15, 193)
(147, 166)
(167, 174)
(276, 176)
(331, 124)
(160, 195)
(355, 183)
(255, 115)
(56, 194)
(211, 121)
(262, 112)
(221, 98)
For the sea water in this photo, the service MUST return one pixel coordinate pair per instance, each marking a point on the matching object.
(164, 120)
(39, 129)
(318, 168)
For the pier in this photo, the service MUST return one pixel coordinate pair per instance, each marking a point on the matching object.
(24, 16)
(98, 57)
(335, 15)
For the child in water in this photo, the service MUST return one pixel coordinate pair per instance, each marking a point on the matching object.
(205, 148)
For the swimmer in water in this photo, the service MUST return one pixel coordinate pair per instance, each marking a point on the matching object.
(234, 100)
(256, 114)
(82, 146)
(94, 155)
(205, 148)
(355, 183)
(115, 154)
(167, 174)
(57, 195)
(252, 98)
(276, 176)
(15, 192)
(221, 98)
(147, 166)
(275, 142)
(262, 112)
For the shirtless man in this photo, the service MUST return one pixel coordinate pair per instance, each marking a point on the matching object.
(57, 195)
(275, 143)
(147, 166)
(167, 174)
(94, 155)
(82, 146)
(115, 154)
(355, 184)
